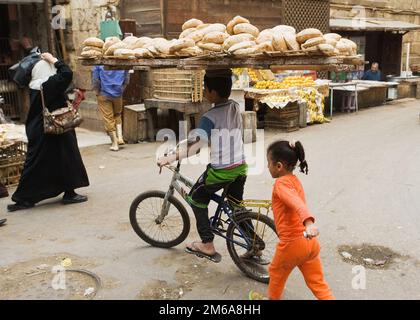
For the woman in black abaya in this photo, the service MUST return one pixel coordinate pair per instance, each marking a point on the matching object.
(53, 165)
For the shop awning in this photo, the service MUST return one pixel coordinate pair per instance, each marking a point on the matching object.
(371, 24)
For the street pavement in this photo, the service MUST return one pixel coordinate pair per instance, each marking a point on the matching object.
(363, 188)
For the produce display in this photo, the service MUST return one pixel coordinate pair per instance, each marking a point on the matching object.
(314, 100)
(315, 103)
(286, 83)
(268, 85)
(278, 101)
(238, 38)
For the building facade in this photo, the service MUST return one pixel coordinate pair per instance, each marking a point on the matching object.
(398, 10)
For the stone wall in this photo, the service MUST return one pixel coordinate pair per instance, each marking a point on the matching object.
(82, 21)
(402, 10)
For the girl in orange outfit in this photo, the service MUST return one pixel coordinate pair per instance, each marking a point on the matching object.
(293, 219)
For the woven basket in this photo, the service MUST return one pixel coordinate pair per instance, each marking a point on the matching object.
(12, 160)
(180, 85)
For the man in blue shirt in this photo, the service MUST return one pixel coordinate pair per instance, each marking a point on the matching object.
(374, 74)
(109, 86)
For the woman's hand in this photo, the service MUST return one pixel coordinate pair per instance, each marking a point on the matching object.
(49, 57)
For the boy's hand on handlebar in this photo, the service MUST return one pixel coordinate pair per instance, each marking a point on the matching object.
(164, 161)
(311, 229)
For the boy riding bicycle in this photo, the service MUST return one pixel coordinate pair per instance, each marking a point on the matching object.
(227, 170)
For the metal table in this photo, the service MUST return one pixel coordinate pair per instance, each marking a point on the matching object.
(342, 86)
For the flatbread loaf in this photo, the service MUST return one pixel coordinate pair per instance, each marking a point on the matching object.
(307, 34)
(192, 23)
(93, 42)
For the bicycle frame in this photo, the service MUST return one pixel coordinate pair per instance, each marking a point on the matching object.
(223, 207)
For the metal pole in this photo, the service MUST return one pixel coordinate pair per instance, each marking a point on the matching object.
(357, 98)
(332, 101)
(407, 63)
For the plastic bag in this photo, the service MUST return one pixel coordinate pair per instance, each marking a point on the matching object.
(21, 72)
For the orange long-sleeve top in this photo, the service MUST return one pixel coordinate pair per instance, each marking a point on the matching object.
(289, 207)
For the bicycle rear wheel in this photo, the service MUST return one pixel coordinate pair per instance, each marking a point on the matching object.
(260, 232)
(171, 231)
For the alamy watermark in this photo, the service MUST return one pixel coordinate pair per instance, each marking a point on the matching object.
(226, 147)
(59, 280)
(59, 17)
(359, 280)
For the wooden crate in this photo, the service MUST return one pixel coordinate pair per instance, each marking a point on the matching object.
(179, 85)
(284, 119)
(135, 123)
(12, 160)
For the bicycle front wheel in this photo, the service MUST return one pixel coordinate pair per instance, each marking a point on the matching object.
(251, 242)
(163, 232)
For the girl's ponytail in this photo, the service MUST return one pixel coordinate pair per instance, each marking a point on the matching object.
(300, 152)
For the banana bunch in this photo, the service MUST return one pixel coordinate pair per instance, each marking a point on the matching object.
(316, 104)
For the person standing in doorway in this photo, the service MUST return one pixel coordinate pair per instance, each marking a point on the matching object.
(374, 74)
(109, 86)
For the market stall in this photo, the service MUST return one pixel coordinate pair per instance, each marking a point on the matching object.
(353, 95)
(290, 99)
(239, 44)
(379, 40)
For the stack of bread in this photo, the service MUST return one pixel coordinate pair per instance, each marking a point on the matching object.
(311, 40)
(200, 38)
(242, 39)
(346, 47)
(282, 38)
(238, 38)
(92, 48)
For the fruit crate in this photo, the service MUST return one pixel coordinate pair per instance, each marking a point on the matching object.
(286, 119)
(12, 160)
(179, 85)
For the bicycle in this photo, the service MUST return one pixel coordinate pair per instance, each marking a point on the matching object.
(252, 233)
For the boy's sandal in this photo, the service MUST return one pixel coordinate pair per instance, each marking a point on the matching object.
(216, 257)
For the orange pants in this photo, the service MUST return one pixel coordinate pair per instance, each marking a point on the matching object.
(302, 253)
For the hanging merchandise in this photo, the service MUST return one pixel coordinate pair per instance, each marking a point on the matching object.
(316, 104)
(110, 28)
